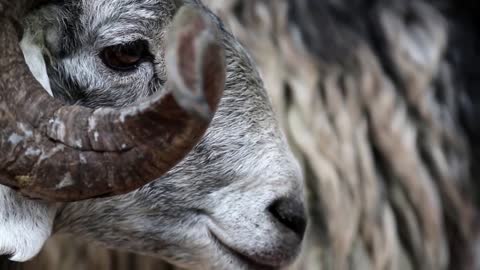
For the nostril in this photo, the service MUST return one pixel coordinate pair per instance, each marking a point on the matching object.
(291, 213)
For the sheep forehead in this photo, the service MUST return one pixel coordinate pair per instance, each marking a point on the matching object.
(95, 14)
(79, 23)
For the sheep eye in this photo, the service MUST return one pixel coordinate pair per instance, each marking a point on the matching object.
(125, 57)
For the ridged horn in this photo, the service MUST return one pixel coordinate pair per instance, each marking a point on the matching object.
(56, 152)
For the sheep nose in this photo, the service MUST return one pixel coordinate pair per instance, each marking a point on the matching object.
(291, 213)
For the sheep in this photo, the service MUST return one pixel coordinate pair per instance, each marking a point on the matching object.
(234, 202)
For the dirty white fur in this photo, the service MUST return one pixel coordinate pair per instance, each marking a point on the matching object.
(24, 225)
(217, 199)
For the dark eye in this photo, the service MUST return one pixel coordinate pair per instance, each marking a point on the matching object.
(126, 57)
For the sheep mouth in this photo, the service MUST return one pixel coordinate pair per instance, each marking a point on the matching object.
(239, 256)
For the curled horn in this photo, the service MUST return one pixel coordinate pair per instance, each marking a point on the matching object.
(56, 152)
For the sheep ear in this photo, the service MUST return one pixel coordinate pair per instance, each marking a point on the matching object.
(33, 55)
(25, 225)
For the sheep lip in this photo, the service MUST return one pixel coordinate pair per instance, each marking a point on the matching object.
(252, 263)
